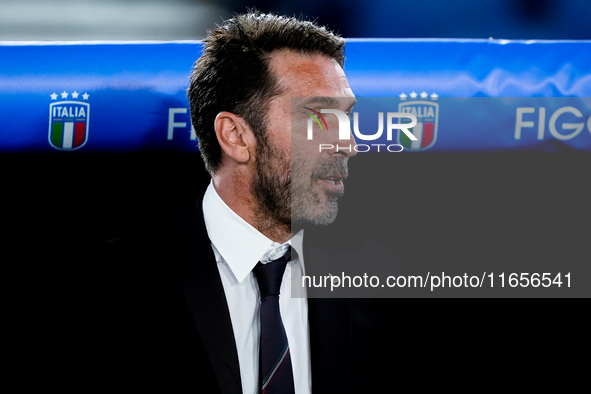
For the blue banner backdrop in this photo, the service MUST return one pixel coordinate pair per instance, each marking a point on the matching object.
(131, 96)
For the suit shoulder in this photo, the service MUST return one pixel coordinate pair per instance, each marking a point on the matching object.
(352, 250)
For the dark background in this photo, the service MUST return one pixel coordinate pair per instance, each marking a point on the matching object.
(190, 19)
(467, 212)
(510, 19)
(472, 213)
(453, 213)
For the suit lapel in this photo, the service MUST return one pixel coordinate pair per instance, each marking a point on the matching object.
(207, 301)
(330, 320)
(330, 332)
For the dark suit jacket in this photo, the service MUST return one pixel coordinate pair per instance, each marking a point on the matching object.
(148, 311)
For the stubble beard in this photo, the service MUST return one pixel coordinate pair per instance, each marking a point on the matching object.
(271, 188)
(312, 207)
(290, 207)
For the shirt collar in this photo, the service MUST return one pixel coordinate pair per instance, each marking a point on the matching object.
(240, 244)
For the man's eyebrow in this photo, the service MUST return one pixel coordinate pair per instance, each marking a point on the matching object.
(322, 100)
(327, 101)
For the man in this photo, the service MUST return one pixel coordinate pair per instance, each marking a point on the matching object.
(188, 295)
(241, 106)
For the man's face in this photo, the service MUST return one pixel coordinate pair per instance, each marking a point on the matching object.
(310, 196)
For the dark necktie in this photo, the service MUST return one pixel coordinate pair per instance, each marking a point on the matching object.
(275, 372)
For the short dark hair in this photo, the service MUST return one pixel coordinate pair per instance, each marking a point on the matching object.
(232, 73)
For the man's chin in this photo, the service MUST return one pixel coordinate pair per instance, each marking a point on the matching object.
(321, 217)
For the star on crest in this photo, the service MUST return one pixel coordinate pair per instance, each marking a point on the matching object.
(424, 94)
(413, 94)
(53, 96)
(434, 96)
(75, 94)
(403, 96)
(64, 94)
(85, 96)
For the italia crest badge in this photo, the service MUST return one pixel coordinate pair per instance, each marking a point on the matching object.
(427, 113)
(68, 121)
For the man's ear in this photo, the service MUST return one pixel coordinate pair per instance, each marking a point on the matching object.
(234, 136)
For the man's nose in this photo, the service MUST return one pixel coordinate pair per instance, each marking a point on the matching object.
(346, 148)
(338, 142)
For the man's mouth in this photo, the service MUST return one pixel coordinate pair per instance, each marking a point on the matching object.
(334, 180)
(331, 174)
(334, 183)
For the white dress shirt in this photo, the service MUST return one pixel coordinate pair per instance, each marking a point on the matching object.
(238, 247)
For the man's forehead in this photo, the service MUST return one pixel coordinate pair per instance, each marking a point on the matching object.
(313, 75)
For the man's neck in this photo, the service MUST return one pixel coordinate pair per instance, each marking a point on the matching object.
(238, 197)
(276, 232)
